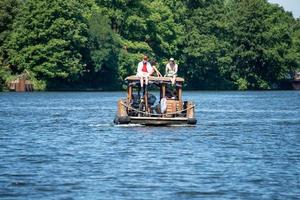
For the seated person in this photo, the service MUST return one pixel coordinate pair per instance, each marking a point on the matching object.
(171, 93)
(144, 70)
(171, 70)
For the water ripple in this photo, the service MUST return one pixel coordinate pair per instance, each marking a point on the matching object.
(246, 145)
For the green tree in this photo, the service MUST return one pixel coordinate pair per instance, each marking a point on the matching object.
(49, 39)
(128, 20)
(8, 11)
(261, 39)
(104, 47)
(205, 48)
(218, 44)
(296, 46)
(164, 34)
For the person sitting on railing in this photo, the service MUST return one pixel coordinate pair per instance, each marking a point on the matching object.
(171, 70)
(144, 70)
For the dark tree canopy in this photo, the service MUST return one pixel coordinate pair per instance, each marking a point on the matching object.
(80, 44)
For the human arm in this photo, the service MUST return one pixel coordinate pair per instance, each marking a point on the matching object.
(166, 70)
(150, 69)
(175, 69)
(156, 71)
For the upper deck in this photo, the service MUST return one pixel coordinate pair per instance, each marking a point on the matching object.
(156, 79)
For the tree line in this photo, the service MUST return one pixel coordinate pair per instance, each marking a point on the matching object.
(95, 44)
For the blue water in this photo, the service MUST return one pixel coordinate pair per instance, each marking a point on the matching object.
(246, 145)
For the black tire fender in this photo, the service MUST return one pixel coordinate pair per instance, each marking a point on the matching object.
(192, 121)
(122, 120)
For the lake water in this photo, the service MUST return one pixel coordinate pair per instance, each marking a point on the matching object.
(64, 145)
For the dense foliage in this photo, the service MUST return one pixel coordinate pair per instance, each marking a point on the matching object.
(95, 44)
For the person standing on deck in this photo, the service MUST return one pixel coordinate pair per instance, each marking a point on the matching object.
(144, 70)
(171, 70)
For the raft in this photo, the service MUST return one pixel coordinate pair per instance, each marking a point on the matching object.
(168, 109)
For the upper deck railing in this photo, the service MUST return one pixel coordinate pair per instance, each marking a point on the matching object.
(155, 78)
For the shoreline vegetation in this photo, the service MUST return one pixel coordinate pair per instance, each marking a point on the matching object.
(87, 45)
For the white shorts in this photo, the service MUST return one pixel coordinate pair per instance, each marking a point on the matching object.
(143, 74)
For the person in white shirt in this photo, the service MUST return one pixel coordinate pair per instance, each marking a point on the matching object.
(144, 70)
(171, 70)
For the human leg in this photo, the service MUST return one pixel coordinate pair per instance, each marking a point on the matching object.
(146, 85)
(173, 80)
(142, 81)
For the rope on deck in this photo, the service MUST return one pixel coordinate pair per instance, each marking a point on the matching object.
(155, 114)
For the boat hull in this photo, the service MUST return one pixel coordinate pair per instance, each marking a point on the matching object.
(155, 121)
(296, 84)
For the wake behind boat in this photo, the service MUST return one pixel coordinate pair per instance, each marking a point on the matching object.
(168, 109)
